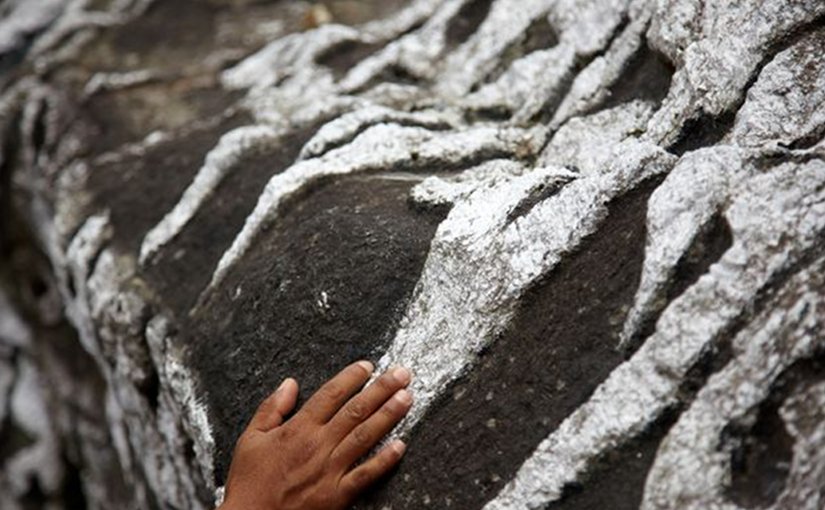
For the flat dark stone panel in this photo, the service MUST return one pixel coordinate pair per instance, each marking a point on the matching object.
(762, 452)
(706, 249)
(169, 31)
(182, 269)
(355, 240)
(141, 190)
(560, 347)
(540, 35)
(177, 24)
(127, 116)
(345, 56)
(647, 76)
(349, 12)
(618, 480)
(465, 23)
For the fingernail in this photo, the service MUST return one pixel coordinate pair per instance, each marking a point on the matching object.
(404, 397)
(399, 446)
(366, 365)
(282, 386)
(402, 375)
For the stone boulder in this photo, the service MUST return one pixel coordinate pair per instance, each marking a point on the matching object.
(594, 230)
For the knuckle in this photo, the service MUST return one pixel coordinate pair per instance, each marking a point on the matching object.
(356, 411)
(306, 450)
(361, 437)
(311, 447)
(338, 460)
(389, 411)
(348, 487)
(361, 478)
(332, 392)
(386, 383)
(286, 433)
(267, 404)
(325, 500)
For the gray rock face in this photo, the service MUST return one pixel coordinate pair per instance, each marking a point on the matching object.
(593, 230)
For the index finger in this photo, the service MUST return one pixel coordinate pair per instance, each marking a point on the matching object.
(323, 405)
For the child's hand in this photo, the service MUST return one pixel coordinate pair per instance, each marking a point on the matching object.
(310, 461)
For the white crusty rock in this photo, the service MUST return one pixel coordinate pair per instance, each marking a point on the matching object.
(488, 252)
(502, 133)
(693, 465)
(786, 104)
(764, 210)
(717, 48)
(382, 146)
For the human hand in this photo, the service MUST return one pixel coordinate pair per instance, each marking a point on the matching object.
(310, 461)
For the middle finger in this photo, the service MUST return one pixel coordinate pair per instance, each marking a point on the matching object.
(364, 404)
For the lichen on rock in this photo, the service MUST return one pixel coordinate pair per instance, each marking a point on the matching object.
(593, 230)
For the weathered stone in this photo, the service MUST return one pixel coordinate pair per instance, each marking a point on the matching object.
(593, 230)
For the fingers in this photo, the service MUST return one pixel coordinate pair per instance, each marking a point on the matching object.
(271, 412)
(366, 435)
(328, 400)
(360, 478)
(363, 405)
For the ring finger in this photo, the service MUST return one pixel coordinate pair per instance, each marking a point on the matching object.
(365, 436)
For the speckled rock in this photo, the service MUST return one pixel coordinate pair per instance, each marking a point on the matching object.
(593, 230)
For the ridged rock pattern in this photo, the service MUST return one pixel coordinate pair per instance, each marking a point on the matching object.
(594, 231)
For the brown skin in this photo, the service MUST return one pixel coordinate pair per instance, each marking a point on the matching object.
(310, 461)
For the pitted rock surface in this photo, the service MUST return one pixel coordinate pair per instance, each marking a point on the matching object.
(593, 231)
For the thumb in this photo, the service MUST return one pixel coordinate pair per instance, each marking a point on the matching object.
(271, 412)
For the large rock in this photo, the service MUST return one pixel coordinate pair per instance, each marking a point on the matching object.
(593, 230)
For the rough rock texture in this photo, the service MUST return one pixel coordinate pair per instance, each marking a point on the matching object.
(595, 231)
